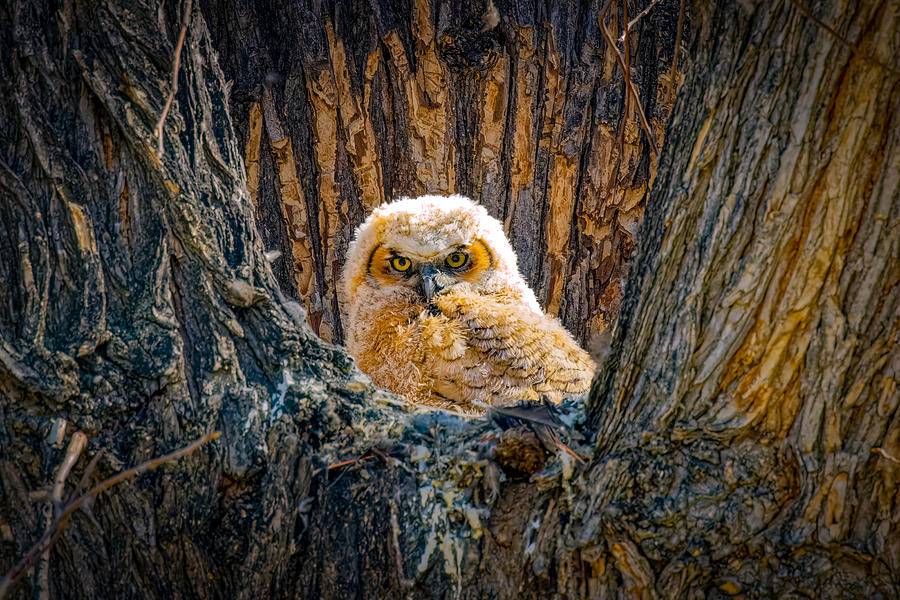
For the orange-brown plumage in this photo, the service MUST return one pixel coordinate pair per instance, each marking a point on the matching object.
(438, 311)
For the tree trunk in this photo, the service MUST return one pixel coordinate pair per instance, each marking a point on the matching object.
(742, 437)
(360, 103)
(754, 371)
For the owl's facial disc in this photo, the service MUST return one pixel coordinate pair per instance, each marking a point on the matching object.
(427, 276)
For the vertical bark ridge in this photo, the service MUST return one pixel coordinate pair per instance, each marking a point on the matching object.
(430, 99)
(775, 311)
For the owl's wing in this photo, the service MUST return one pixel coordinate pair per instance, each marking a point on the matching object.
(503, 351)
(388, 348)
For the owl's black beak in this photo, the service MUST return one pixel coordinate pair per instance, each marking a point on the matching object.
(430, 286)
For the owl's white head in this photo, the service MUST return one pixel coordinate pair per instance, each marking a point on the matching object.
(414, 248)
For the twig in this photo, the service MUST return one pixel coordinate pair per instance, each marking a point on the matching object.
(373, 452)
(185, 21)
(148, 465)
(343, 463)
(88, 471)
(627, 74)
(605, 8)
(677, 49)
(42, 574)
(634, 21)
(76, 447)
(571, 452)
(60, 521)
(882, 452)
(824, 25)
(629, 85)
(854, 48)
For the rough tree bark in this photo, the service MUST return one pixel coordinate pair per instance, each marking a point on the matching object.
(742, 436)
(345, 105)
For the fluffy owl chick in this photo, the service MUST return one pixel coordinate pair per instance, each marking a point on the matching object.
(438, 312)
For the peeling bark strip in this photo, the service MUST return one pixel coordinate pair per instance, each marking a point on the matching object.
(386, 100)
(747, 426)
(293, 205)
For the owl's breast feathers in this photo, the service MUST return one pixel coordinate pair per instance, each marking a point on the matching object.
(476, 349)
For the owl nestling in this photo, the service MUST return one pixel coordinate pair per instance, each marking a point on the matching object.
(438, 312)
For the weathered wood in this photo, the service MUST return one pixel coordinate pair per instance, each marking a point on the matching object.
(137, 305)
(741, 439)
(366, 102)
(765, 332)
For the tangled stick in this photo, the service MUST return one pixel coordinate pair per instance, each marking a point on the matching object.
(185, 21)
(629, 85)
(58, 525)
(635, 20)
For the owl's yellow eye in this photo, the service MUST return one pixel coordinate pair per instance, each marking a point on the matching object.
(401, 263)
(456, 260)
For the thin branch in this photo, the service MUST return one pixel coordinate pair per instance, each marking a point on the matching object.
(854, 48)
(678, 42)
(344, 463)
(884, 453)
(185, 21)
(76, 447)
(640, 16)
(605, 8)
(629, 85)
(88, 471)
(42, 574)
(373, 452)
(627, 73)
(148, 465)
(824, 25)
(60, 521)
